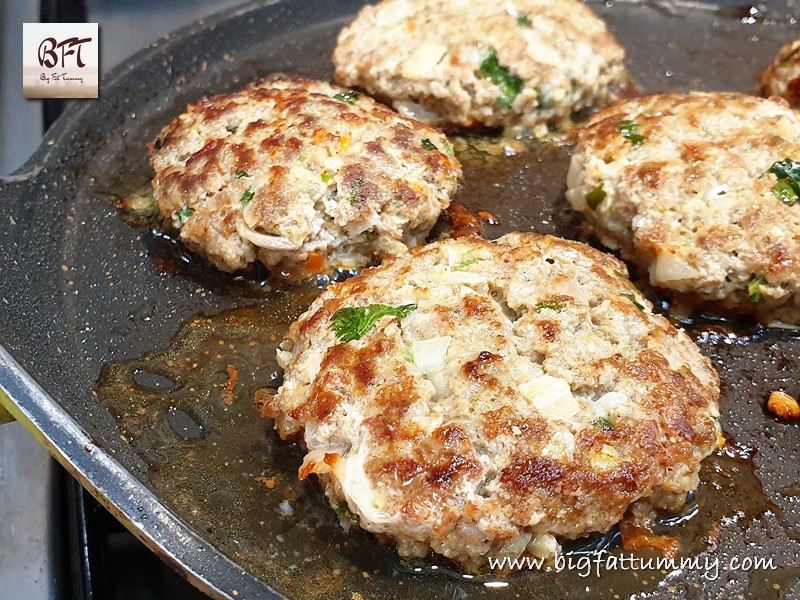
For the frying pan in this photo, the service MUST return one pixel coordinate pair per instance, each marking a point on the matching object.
(118, 348)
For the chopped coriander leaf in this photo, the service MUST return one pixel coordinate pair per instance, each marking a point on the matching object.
(785, 192)
(327, 176)
(510, 85)
(247, 196)
(524, 21)
(754, 288)
(184, 213)
(240, 174)
(596, 196)
(231, 128)
(428, 145)
(408, 354)
(630, 131)
(466, 264)
(346, 516)
(353, 323)
(349, 97)
(355, 196)
(368, 236)
(786, 169)
(550, 305)
(603, 423)
(787, 189)
(632, 297)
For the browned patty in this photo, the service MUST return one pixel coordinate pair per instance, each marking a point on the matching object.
(687, 187)
(524, 65)
(301, 175)
(531, 394)
(782, 76)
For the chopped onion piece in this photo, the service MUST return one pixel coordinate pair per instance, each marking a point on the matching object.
(605, 459)
(439, 384)
(262, 240)
(425, 57)
(561, 446)
(782, 325)
(612, 402)
(669, 267)
(284, 358)
(429, 355)
(362, 497)
(544, 545)
(468, 278)
(551, 396)
(415, 111)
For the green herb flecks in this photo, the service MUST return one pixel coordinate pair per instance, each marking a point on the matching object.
(347, 518)
(353, 323)
(524, 21)
(630, 131)
(754, 288)
(349, 97)
(246, 197)
(326, 176)
(596, 196)
(466, 264)
(510, 85)
(550, 305)
(239, 174)
(632, 297)
(408, 354)
(787, 190)
(428, 145)
(355, 195)
(369, 236)
(232, 129)
(183, 213)
(603, 423)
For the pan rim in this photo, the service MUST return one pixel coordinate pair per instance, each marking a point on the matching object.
(158, 528)
(42, 410)
(104, 477)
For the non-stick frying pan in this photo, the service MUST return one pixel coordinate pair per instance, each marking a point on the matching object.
(136, 365)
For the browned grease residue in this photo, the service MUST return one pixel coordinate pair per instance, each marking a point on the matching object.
(188, 411)
(222, 469)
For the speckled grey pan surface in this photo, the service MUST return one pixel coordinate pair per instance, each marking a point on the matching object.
(88, 295)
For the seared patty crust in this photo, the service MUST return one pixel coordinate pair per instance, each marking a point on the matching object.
(513, 393)
(521, 64)
(301, 175)
(782, 76)
(701, 191)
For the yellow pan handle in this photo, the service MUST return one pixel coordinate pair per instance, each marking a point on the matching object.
(5, 416)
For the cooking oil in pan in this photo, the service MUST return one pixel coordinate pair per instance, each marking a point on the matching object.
(188, 411)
